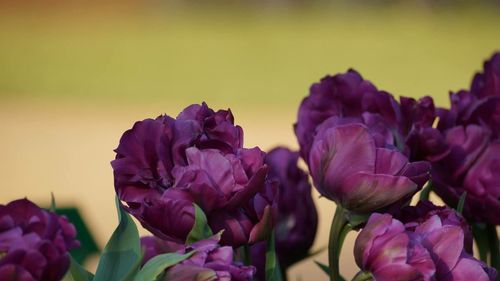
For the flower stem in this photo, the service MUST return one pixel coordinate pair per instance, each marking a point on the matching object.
(337, 235)
(247, 258)
(494, 247)
(481, 239)
(363, 276)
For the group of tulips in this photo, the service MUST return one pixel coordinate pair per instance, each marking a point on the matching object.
(217, 210)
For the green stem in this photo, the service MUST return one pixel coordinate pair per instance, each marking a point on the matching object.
(494, 247)
(363, 276)
(426, 191)
(247, 258)
(481, 237)
(335, 243)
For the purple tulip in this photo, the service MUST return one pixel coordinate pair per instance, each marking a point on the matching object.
(428, 249)
(297, 219)
(345, 95)
(297, 216)
(34, 243)
(209, 262)
(348, 167)
(465, 147)
(488, 83)
(167, 164)
(421, 112)
(412, 216)
(200, 126)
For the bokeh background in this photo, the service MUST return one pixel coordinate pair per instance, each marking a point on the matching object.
(75, 74)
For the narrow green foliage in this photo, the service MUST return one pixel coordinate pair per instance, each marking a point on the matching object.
(200, 229)
(461, 202)
(78, 273)
(157, 265)
(426, 191)
(121, 258)
(273, 272)
(52, 202)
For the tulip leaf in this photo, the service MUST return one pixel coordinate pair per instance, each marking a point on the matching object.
(200, 229)
(357, 221)
(494, 244)
(121, 258)
(52, 203)
(461, 202)
(78, 273)
(273, 272)
(157, 265)
(426, 191)
(481, 238)
(325, 269)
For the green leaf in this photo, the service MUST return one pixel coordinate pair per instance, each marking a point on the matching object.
(200, 229)
(494, 244)
(121, 257)
(52, 203)
(480, 234)
(157, 265)
(78, 273)
(325, 269)
(426, 191)
(357, 220)
(461, 202)
(273, 272)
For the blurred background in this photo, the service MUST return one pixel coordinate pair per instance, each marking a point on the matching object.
(74, 75)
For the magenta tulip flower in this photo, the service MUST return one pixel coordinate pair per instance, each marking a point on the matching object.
(345, 95)
(209, 262)
(427, 249)
(465, 147)
(34, 243)
(167, 164)
(297, 219)
(348, 167)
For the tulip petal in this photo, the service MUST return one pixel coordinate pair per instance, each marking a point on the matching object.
(364, 192)
(389, 161)
(344, 151)
(398, 272)
(377, 225)
(469, 269)
(446, 246)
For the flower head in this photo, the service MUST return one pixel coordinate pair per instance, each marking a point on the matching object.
(167, 164)
(430, 248)
(209, 261)
(345, 95)
(348, 167)
(465, 147)
(297, 218)
(34, 243)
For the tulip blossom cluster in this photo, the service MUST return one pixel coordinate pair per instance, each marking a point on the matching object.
(371, 154)
(465, 146)
(434, 246)
(220, 211)
(34, 243)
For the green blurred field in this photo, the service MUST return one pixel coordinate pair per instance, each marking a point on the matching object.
(237, 57)
(72, 80)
